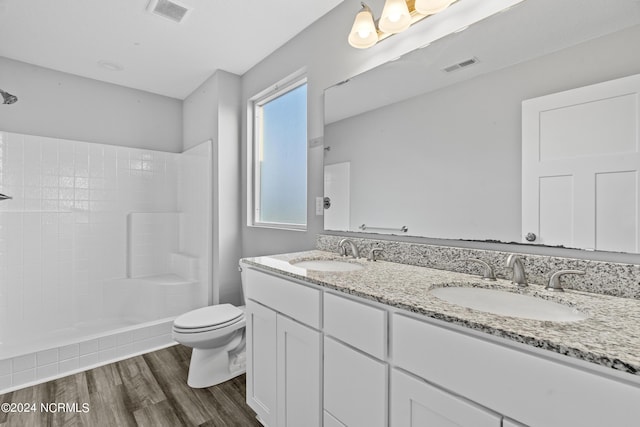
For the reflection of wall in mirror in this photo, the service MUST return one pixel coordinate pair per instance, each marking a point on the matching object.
(448, 163)
(336, 188)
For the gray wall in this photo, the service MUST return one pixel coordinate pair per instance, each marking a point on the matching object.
(60, 105)
(213, 112)
(328, 59)
(322, 50)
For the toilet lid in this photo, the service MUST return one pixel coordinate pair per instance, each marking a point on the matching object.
(208, 316)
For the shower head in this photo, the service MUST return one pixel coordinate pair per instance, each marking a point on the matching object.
(8, 98)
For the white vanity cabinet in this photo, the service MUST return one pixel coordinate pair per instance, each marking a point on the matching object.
(534, 388)
(355, 386)
(355, 371)
(317, 357)
(261, 361)
(416, 403)
(283, 355)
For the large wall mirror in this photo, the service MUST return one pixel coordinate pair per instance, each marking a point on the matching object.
(430, 144)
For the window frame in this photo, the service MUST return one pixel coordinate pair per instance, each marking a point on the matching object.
(253, 200)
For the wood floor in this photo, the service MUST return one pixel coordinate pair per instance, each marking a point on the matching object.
(149, 390)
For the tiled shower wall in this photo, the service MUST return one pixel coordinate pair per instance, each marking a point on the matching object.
(64, 232)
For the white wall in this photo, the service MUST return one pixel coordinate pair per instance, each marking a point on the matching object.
(323, 50)
(194, 204)
(213, 112)
(60, 105)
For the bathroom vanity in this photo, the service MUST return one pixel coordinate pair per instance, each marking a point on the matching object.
(371, 346)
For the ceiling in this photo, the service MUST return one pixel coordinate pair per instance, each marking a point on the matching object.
(155, 54)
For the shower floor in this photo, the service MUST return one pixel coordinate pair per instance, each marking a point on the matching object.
(37, 358)
(33, 342)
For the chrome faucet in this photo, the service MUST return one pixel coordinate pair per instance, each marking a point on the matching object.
(554, 281)
(487, 273)
(519, 276)
(343, 250)
(372, 254)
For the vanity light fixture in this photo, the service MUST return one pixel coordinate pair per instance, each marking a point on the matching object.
(397, 16)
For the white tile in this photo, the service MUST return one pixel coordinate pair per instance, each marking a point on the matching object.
(47, 371)
(124, 338)
(107, 355)
(160, 329)
(68, 351)
(68, 365)
(107, 342)
(141, 334)
(125, 350)
(5, 367)
(47, 357)
(154, 342)
(87, 347)
(5, 382)
(88, 360)
(24, 377)
(22, 363)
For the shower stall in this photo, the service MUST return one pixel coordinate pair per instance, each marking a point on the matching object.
(101, 247)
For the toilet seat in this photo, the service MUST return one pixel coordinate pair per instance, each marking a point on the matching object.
(208, 319)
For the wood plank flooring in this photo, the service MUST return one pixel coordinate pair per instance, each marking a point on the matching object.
(148, 390)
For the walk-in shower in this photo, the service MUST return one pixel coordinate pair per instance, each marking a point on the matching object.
(101, 247)
(7, 98)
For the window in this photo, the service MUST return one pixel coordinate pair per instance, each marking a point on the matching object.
(280, 157)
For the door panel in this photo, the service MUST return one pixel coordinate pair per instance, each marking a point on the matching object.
(580, 163)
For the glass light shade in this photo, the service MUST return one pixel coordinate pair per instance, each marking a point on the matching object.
(429, 7)
(395, 17)
(363, 33)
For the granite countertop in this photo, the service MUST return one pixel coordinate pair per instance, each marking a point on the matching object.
(610, 336)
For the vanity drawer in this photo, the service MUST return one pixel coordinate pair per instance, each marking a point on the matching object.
(508, 379)
(292, 299)
(359, 325)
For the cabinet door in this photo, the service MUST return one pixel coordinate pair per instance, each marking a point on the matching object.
(415, 403)
(355, 386)
(298, 374)
(261, 361)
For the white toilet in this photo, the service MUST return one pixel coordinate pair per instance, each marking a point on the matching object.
(217, 336)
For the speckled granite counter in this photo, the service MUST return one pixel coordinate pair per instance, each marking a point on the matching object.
(610, 336)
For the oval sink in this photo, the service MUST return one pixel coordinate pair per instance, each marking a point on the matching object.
(508, 304)
(327, 265)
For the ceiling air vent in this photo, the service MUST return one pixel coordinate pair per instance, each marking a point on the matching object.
(459, 65)
(168, 9)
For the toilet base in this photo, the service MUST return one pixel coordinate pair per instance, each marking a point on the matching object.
(209, 367)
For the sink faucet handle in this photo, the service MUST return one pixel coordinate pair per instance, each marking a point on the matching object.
(519, 276)
(554, 281)
(354, 249)
(342, 250)
(372, 254)
(487, 273)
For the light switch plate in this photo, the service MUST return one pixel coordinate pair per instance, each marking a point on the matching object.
(319, 206)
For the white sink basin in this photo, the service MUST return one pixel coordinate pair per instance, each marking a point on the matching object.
(328, 265)
(507, 303)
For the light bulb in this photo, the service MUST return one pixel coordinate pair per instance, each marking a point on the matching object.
(395, 17)
(363, 33)
(429, 7)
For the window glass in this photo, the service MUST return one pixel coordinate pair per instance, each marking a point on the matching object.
(281, 158)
